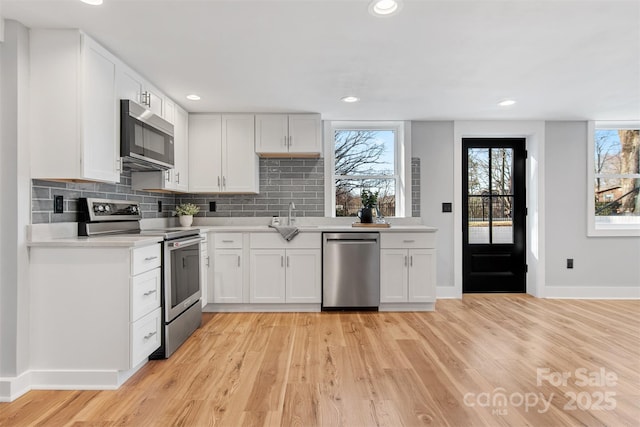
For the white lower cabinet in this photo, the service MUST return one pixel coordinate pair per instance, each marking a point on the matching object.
(285, 272)
(268, 276)
(303, 279)
(285, 276)
(407, 268)
(228, 284)
(227, 277)
(406, 275)
(205, 265)
(95, 312)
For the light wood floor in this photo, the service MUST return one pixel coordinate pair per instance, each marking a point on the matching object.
(445, 368)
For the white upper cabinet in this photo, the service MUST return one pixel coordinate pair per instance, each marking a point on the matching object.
(239, 160)
(221, 154)
(74, 129)
(289, 135)
(169, 110)
(181, 155)
(130, 85)
(205, 148)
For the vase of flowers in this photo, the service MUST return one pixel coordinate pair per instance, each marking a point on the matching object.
(185, 212)
(369, 201)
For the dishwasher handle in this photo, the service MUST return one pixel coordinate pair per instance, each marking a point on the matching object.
(365, 241)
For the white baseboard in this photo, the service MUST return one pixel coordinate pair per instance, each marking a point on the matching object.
(592, 292)
(448, 292)
(407, 306)
(13, 388)
(259, 308)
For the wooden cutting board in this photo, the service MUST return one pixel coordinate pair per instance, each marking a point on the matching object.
(372, 225)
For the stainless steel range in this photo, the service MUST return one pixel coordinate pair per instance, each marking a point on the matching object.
(181, 285)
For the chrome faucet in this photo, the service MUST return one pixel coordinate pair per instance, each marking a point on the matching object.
(291, 220)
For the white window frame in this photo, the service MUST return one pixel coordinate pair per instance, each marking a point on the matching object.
(402, 159)
(622, 228)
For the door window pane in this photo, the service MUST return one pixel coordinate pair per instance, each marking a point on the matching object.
(478, 220)
(501, 170)
(502, 220)
(478, 171)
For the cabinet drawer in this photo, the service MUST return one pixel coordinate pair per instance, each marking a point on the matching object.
(227, 240)
(145, 336)
(145, 293)
(274, 240)
(145, 259)
(407, 240)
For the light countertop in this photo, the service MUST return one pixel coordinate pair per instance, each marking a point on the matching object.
(60, 239)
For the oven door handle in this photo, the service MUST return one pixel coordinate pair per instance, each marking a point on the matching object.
(183, 243)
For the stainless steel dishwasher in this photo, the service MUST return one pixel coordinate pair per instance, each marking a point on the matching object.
(350, 271)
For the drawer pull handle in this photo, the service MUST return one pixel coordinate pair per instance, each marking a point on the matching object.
(152, 291)
(150, 334)
(227, 241)
(409, 241)
(411, 260)
(238, 260)
(150, 258)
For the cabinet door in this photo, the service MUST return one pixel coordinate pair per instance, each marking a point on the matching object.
(305, 133)
(272, 133)
(393, 275)
(181, 153)
(304, 275)
(227, 277)
(100, 141)
(169, 111)
(156, 100)
(129, 85)
(267, 277)
(205, 173)
(239, 160)
(422, 275)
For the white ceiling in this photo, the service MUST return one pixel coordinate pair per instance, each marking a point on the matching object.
(453, 59)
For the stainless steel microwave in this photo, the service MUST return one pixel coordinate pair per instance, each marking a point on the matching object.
(146, 139)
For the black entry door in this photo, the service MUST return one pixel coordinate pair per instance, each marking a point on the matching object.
(494, 215)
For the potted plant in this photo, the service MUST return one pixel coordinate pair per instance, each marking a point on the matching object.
(185, 212)
(369, 200)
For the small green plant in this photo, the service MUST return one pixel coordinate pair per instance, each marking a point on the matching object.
(369, 199)
(187, 209)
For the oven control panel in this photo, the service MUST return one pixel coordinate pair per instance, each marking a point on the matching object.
(109, 210)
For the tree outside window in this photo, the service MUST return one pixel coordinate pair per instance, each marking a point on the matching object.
(365, 159)
(617, 173)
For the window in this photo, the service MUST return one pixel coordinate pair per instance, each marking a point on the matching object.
(367, 156)
(614, 179)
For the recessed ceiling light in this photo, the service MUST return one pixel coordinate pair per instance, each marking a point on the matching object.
(506, 102)
(384, 7)
(350, 99)
(193, 97)
(92, 2)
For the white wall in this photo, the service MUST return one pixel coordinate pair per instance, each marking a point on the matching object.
(15, 187)
(432, 142)
(603, 266)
